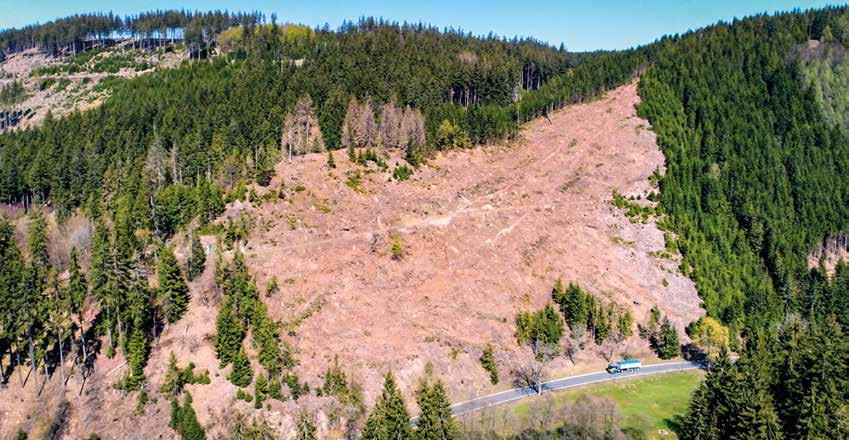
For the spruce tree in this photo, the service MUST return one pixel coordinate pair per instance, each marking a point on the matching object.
(389, 420)
(136, 356)
(190, 428)
(331, 163)
(261, 390)
(173, 291)
(197, 258)
(228, 335)
(77, 285)
(667, 344)
(488, 362)
(176, 420)
(37, 241)
(171, 383)
(435, 421)
(573, 304)
(242, 374)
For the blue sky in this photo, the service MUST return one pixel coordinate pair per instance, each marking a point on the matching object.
(581, 24)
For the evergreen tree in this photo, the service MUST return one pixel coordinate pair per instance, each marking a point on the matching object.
(331, 163)
(197, 258)
(37, 240)
(389, 419)
(137, 356)
(77, 285)
(229, 333)
(242, 374)
(488, 362)
(266, 340)
(435, 420)
(813, 380)
(184, 420)
(667, 343)
(261, 391)
(171, 382)
(173, 291)
(175, 422)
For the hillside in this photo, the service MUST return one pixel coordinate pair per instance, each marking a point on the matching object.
(481, 242)
(302, 216)
(64, 85)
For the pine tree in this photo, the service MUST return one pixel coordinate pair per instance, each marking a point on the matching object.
(172, 291)
(389, 420)
(242, 374)
(435, 421)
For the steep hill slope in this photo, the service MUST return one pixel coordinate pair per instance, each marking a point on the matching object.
(484, 235)
(63, 85)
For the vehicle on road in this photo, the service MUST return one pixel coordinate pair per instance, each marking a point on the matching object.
(624, 366)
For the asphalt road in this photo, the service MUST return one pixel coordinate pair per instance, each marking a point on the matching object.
(567, 382)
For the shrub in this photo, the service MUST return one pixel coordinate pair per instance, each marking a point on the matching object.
(402, 173)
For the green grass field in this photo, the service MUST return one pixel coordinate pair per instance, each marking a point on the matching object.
(648, 405)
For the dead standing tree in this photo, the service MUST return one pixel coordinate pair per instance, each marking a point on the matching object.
(301, 132)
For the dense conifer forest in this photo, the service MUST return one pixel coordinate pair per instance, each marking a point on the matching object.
(755, 181)
(756, 160)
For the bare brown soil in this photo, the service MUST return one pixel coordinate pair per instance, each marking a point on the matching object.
(79, 93)
(484, 234)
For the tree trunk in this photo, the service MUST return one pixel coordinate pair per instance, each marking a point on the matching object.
(154, 325)
(31, 352)
(61, 362)
(2, 374)
(85, 349)
(46, 372)
(18, 357)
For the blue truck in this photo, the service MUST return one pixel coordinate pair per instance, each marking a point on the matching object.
(624, 366)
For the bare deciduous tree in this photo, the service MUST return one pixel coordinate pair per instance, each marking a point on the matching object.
(574, 343)
(528, 374)
(593, 418)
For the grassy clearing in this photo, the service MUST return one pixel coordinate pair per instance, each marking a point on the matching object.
(648, 405)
